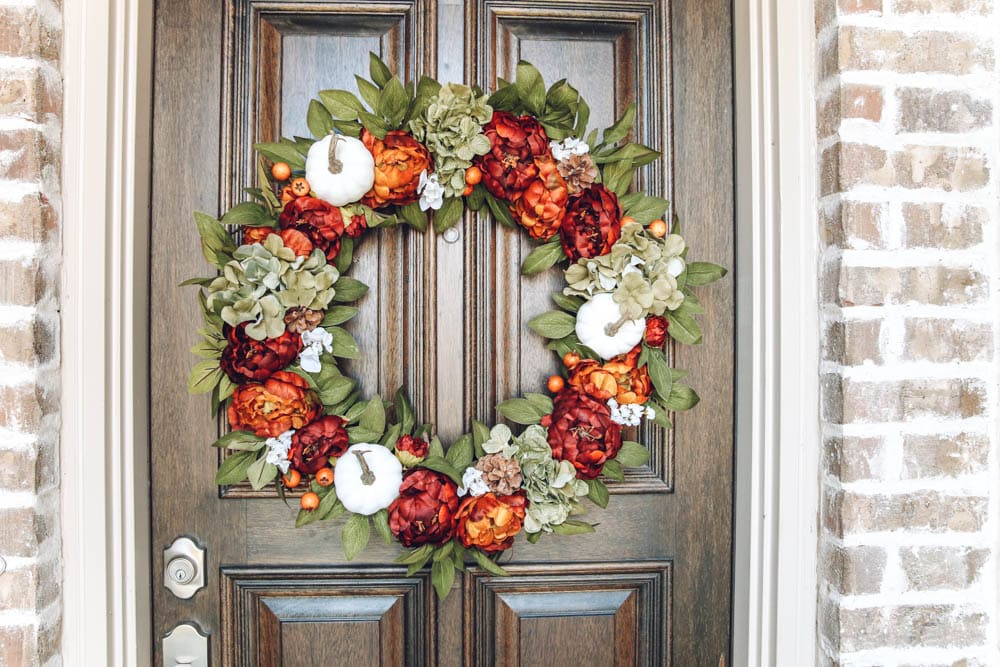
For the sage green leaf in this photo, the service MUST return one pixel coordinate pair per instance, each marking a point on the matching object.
(480, 434)
(435, 448)
(381, 521)
(338, 315)
(318, 120)
(341, 104)
(553, 324)
(617, 177)
(240, 441)
(443, 576)
(391, 436)
(635, 154)
(248, 213)
(500, 212)
(377, 70)
(570, 303)
(444, 551)
(573, 527)
(530, 87)
(261, 473)
(369, 93)
(336, 390)
(355, 536)
(276, 152)
(460, 453)
(215, 240)
(346, 254)
(632, 455)
(359, 434)
(373, 417)
(392, 102)
(414, 216)
(421, 554)
(582, 118)
(682, 397)
(543, 257)
(504, 99)
(349, 128)
(329, 508)
(349, 289)
(704, 273)
(683, 328)
(234, 468)
(521, 411)
(438, 464)
(487, 563)
(404, 412)
(659, 371)
(541, 402)
(613, 470)
(344, 345)
(622, 126)
(647, 208)
(374, 124)
(598, 492)
(449, 213)
(204, 376)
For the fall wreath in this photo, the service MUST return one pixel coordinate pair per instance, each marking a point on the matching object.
(273, 314)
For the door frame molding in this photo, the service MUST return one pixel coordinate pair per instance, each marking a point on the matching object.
(105, 519)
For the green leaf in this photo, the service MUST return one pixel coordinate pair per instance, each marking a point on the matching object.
(215, 240)
(341, 104)
(346, 254)
(618, 177)
(404, 412)
(234, 468)
(582, 118)
(349, 289)
(391, 436)
(460, 453)
(414, 216)
(554, 324)
(500, 211)
(381, 521)
(336, 389)
(435, 448)
(573, 527)
(443, 576)
(704, 273)
(369, 93)
(683, 328)
(487, 564)
(248, 213)
(240, 441)
(530, 87)
(636, 155)
(621, 128)
(392, 102)
(659, 371)
(438, 464)
(329, 508)
(682, 397)
(318, 119)
(349, 128)
(377, 70)
(449, 213)
(632, 455)
(374, 124)
(613, 470)
(373, 418)
(338, 315)
(505, 98)
(444, 551)
(521, 411)
(261, 473)
(281, 153)
(597, 492)
(541, 402)
(359, 434)
(570, 303)
(480, 434)
(204, 376)
(543, 257)
(416, 555)
(646, 208)
(344, 345)
(355, 536)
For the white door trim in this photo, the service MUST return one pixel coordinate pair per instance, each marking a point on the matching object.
(105, 514)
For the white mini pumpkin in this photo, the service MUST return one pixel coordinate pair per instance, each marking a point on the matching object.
(343, 177)
(367, 478)
(592, 323)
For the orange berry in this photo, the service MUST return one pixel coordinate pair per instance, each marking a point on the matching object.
(473, 175)
(286, 194)
(468, 190)
(324, 476)
(281, 171)
(300, 187)
(309, 501)
(556, 383)
(658, 228)
(627, 220)
(571, 359)
(292, 478)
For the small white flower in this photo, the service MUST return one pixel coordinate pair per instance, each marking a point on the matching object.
(431, 191)
(314, 343)
(277, 450)
(675, 266)
(627, 415)
(473, 483)
(563, 150)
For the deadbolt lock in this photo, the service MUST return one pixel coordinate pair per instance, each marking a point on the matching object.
(184, 569)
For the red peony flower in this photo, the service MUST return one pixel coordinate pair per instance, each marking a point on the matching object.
(316, 443)
(592, 223)
(297, 241)
(509, 168)
(542, 206)
(356, 226)
(249, 360)
(490, 522)
(410, 451)
(581, 431)
(656, 331)
(320, 221)
(284, 401)
(424, 512)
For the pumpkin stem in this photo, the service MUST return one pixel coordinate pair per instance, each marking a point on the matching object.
(612, 329)
(367, 476)
(335, 165)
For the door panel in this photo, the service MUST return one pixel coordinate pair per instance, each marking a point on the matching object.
(447, 318)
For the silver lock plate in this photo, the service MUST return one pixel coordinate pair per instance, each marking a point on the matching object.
(185, 645)
(184, 568)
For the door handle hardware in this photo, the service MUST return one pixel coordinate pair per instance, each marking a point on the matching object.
(185, 645)
(184, 568)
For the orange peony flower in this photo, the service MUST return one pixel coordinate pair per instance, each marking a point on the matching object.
(257, 234)
(542, 207)
(284, 401)
(490, 522)
(617, 378)
(399, 160)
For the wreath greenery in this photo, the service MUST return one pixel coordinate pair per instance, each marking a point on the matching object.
(273, 314)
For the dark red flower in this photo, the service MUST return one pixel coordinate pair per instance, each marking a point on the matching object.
(581, 431)
(592, 223)
(257, 234)
(410, 451)
(509, 168)
(316, 443)
(424, 512)
(656, 331)
(356, 226)
(320, 221)
(249, 360)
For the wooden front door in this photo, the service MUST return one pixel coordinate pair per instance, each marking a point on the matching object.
(653, 585)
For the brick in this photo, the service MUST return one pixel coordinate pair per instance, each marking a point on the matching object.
(31, 93)
(865, 48)
(24, 283)
(864, 102)
(850, 459)
(930, 456)
(936, 167)
(853, 342)
(853, 224)
(942, 568)
(33, 341)
(833, 511)
(981, 7)
(21, 408)
(948, 226)
(855, 570)
(934, 285)
(24, 153)
(928, 110)
(910, 627)
(944, 340)
(17, 470)
(860, 6)
(22, 530)
(920, 511)
(26, 34)
(943, 398)
(31, 219)
(828, 116)
(17, 646)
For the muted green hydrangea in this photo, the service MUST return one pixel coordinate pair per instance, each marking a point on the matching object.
(452, 129)
(264, 280)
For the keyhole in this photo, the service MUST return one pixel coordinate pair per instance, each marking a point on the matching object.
(181, 570)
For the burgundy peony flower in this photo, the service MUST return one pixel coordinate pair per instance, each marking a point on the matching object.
(320, 221)
(410, 451)
(656, 331)
(509, 168)
(424, 512)
(356, 226)
(315, 444)
(592, 223)
(249, 360)
(581, 431)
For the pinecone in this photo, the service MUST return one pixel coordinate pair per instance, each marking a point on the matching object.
(502, 475)
(301, 319)
(579, 172)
